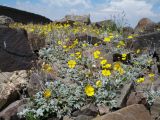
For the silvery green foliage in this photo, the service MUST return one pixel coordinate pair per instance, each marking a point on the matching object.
(63, 101)
(151, 96)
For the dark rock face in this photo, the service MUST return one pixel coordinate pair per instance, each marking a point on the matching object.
(22, 16)
(15, 51)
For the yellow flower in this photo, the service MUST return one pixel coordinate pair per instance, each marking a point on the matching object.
(121, 71)
(59, 42)
(124, 56)
(140, 80)
(107, 39)
(47, 68)
(151, 75)
(96, 54)
(84, 45)
(72, 55)
(78, 55)
(111, 36)
(106, 66)
(103, 62)
(99, 83)
(106, 72)
(130, 37)
(96, 44)
(71, 63)
(47, 93)
(121, 43)
(64, 46)
(117, 66)
(138, 51)
(89, 90)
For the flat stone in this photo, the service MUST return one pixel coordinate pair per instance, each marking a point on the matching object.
(132, 112)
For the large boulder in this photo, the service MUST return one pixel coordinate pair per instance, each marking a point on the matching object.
(4, 20)
(145, 25)
(77, 18)
(133, 112)
(15, 51)
(106, 24)
(150, 41)
(10, 113)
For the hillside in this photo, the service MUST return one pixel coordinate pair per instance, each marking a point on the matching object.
(23, 16)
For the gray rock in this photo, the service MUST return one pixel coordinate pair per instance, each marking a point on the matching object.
(10, 87)
(125, 92)
(76, 18)
(149, 42)
(137, 98)
(36, 41)
(103, 109)
(11, 110)
(35, 83)
(132, 112)
(89, 110)
(155, 109)
(106, 24)
(142, 24)
(15, 51)
(84, 117)
(127, 31)
(4, 20)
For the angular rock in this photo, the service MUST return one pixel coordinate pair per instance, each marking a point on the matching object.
(75, 18)
(89, 38)
(103, 109)
(128, 31)
(11, 87)
(84, 117)
(88, 110)
(4, 20)
(11, 111)
(34, 84)
(67, 118)
(106, 24)
(132, 112)
(149, 42)
(36, 41)
(155, 109)
(15, 51)
(137, 98)
(125, 92)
